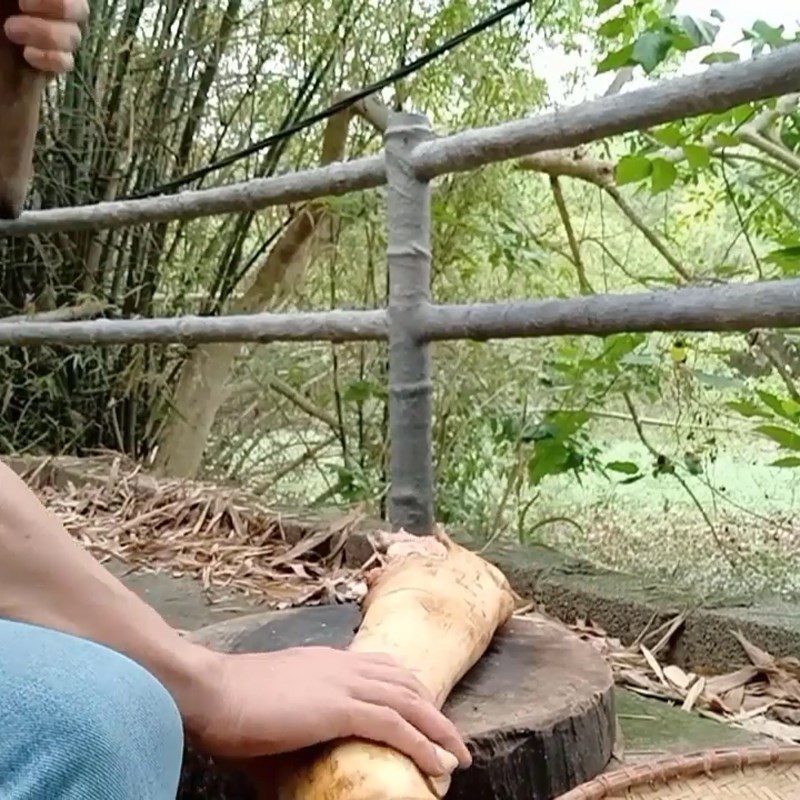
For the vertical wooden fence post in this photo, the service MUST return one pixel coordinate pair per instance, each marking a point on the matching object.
(409, 265)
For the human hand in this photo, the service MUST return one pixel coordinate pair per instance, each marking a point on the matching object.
(49, 31)
(254, 705)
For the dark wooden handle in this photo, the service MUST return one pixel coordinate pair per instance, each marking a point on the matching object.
(20, 95)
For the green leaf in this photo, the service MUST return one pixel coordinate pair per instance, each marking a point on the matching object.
(549, 458)
(669, 135)
(697, 156)
(787, 259)
(605, 5)
(723, 139)
(717, 381)
(650, 49)
(682, 42)
(748, 409)
(790, 461)
(614, 27)
(616, 60)
(566, 423)
(712, 121)
(742, 114)
(769, 35)
(701, 33)
(693, 464)
(788, 409)
(717, 15)
(618, 346)
(723, 57)
(625, 467)
(360, 391)
(538, 433)
(631, 169)
(785, 438)
(663, 175)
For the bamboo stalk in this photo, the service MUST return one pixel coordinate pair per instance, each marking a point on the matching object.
(434, 608)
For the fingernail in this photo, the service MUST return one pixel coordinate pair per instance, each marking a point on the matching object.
(31, 6)
(13, 28)
(448, 763)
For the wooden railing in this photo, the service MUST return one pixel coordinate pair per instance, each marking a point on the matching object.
(412, 157)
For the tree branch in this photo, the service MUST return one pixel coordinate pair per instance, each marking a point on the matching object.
(583, 282)
(649, 234)
(297, 398)
(90, 308)
(765, 145)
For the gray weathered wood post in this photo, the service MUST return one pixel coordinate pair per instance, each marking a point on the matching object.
(409, 265)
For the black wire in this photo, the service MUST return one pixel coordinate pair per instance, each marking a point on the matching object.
(335, 108)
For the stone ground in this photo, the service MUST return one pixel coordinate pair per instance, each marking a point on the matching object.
(649, 728)
(181, 601)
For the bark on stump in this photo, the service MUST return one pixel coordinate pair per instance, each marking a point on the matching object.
(537, 710)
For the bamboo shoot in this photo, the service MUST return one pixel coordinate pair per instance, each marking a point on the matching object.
(20, 94)
(434, 607)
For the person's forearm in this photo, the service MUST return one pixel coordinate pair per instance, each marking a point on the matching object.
(47, 578)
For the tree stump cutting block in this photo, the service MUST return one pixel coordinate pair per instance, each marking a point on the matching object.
(537, 711)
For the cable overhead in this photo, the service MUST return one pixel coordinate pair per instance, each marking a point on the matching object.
(341, 105)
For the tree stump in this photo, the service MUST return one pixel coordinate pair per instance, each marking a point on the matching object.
(537, 711)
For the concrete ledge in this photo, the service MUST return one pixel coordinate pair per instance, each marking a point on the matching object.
(568, 588)
(624, 605)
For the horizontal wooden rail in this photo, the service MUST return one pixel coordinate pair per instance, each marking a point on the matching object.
(717, 89)
(294, 187)
(328, 326)
(769, 304)
(740, 307)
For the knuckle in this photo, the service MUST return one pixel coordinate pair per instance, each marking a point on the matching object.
(350, 720)
(403, 702)
(382, 659)
(411, 698)
(394, 725)
(391, 719)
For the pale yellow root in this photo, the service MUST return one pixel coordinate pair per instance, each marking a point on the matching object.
(434, 607)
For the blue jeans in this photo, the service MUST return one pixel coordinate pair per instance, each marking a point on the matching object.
(81, 722)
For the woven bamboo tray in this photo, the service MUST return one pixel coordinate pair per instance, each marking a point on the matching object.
(766, 773)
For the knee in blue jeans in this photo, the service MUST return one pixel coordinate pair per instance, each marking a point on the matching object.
(82, 721)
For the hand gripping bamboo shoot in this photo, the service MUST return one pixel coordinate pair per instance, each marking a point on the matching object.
(434, 607)
(20, 94)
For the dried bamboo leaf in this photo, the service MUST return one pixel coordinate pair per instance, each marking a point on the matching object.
(653, 664)
(760, 658)
(694, 694)
(721, 684)
(734, 699)
(677, 677)
(201, 531)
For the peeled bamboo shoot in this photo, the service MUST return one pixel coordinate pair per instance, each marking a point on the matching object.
(20, 94)
(434, 607)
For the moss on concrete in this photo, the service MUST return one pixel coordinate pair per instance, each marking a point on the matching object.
(652, 728)
(624, 605)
